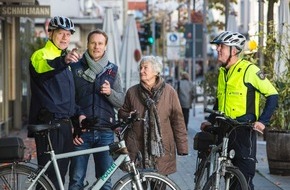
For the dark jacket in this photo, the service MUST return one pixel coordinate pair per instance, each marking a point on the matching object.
(88, 96)
(52, 84)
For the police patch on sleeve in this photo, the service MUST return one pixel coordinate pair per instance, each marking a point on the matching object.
(261, 75)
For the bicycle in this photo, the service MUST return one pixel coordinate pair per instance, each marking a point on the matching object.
(214, 168)
(20, 175)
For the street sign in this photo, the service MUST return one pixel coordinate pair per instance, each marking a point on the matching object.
(173, 52)
(175, 46)
(173, 38)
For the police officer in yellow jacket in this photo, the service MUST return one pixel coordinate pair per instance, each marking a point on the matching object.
(53, 92)
(240, 84)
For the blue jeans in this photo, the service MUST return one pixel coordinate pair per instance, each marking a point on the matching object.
(103, 160)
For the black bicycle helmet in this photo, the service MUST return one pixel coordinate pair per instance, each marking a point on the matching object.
(229, 38)
(60, 22)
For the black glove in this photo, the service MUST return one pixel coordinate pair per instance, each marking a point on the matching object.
(77, 132)
(75, 121)
(76, 125)
(89, 122)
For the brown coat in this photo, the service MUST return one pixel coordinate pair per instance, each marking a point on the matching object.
(173, 131)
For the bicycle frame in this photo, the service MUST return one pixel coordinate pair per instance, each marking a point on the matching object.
(100, 182)
(219, 161)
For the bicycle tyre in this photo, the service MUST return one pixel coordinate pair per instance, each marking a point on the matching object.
(155, 180)
(236, 181)
(19, 177)
(202, 174)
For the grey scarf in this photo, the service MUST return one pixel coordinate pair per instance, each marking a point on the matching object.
(95, 67)
(152, 135)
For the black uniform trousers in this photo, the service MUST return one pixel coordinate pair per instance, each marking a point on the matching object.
(62, 142)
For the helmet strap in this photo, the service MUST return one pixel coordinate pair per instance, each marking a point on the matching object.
(52, 32)
(225, 64)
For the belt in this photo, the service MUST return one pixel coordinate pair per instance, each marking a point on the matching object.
(97, 129)
(64, 120)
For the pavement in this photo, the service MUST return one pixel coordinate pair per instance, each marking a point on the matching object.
(184, 177)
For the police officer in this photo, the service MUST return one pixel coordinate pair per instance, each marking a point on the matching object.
(240, 84)
(53, 92)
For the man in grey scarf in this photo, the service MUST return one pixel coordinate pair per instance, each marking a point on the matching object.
(98, 93)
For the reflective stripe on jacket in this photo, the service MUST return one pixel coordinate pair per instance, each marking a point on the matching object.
(52, 85)
(239, 89)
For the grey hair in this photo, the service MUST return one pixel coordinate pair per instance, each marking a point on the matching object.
(154, 60)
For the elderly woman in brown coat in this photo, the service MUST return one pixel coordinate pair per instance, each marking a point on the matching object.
(162, 134)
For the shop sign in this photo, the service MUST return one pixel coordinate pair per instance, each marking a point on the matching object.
(18, 1)
(25, 11)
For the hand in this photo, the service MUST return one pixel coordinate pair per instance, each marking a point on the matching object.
(106, 88)
(72, 56)
(78, 140)
(117, 130)
(78, 131)
(258, 126)
(204, 125)
(77, 135)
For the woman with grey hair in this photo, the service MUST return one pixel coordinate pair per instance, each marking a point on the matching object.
(154, 142)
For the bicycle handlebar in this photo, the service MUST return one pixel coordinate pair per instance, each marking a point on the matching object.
(221, 116)
(133, 117)
(213, 111)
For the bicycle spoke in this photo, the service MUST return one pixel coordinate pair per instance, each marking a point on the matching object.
(149, 181)
(19, 177)
(232, 180)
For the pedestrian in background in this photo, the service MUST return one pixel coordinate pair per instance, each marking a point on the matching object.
(53, 93)
(98, 93)
(154, 142)
(186, 93)
(240, 84)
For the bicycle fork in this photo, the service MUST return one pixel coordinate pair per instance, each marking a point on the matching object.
(221, 167)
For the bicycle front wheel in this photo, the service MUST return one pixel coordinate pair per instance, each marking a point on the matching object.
(149, 180)
(233, 179)
(19, 177)
(201, 174)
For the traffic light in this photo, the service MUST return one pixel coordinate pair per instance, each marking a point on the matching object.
(145, 36)
(148, 33)
(157, 30)
(143, 40)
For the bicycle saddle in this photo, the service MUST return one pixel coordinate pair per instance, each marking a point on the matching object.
(42, 127)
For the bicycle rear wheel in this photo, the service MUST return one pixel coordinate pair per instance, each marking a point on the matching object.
(232, 180)
(149, 180)
(19, 177)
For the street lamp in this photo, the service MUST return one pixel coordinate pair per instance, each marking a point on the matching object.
(261, 32)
